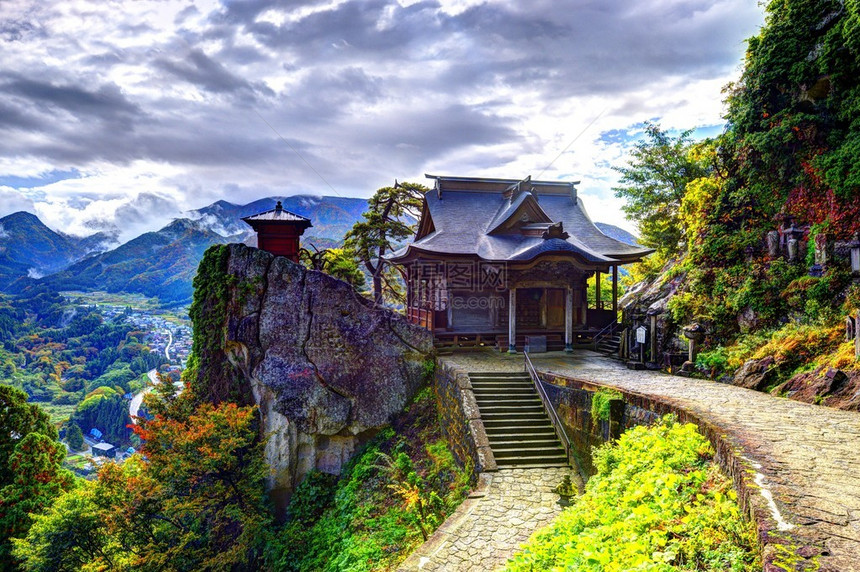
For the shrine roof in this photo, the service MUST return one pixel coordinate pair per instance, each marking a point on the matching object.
(510, 220)
(277, 214)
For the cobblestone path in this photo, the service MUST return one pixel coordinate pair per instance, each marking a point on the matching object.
(484, 532)
(806, 457)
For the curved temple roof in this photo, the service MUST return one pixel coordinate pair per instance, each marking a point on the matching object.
(509, 220)
(278, 215)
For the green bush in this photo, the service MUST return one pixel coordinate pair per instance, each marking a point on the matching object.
(715, 361)
(396, 491)
(657, 502)
(601, 403)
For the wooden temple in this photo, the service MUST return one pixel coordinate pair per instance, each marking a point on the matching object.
(497, 260)
(279, 231)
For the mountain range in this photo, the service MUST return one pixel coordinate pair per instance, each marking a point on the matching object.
(162, 263)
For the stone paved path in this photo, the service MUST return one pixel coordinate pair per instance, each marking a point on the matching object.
(484, 532)
(806, 456)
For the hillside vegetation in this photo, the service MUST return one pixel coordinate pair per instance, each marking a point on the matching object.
(790, 155)
(390, 497)
(657, 502)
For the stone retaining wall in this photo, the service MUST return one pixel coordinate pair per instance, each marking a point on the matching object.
(460, 418)
(572, 399)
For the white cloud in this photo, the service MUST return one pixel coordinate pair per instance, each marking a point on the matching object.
(162, 106)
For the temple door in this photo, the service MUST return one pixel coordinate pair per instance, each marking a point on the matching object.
(555, 308)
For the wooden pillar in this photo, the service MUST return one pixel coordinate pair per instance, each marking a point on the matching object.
(512, 321)
(583, 302)
(615, 290)
(408, 293)
(857, 336)
(597, 290)
(543, 308)
(653, 348)
(568, 320)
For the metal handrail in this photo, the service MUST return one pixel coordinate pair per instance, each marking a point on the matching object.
(607, 330)
(553, 416)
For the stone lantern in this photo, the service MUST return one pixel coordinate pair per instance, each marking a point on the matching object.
(854, 245)
(695, 332)
(793, 236)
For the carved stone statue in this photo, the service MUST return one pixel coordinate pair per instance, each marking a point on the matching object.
(792, 249)
(822, 249)
(773, 244)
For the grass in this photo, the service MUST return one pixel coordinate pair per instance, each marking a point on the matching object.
(58, 413)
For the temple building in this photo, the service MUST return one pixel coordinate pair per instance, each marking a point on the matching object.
(495, 261)
(279, 231)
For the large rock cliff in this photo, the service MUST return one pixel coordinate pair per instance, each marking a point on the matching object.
(326, 367)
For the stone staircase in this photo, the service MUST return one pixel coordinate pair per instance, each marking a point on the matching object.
(518, 428)
(608, 345)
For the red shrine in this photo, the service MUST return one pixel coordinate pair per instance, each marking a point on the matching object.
(278, 231)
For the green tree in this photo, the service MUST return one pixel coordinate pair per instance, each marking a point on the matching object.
(338, 262)
(204, 506)
(17, 420)
(654, 182)
(75, 437)
(197, 502)
(391, 218)
(39, 479)
(106, 410)
(70, 536)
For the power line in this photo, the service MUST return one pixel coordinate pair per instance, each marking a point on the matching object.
(571, 143)
(296, 151)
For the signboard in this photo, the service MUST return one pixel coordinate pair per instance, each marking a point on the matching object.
(641, 332)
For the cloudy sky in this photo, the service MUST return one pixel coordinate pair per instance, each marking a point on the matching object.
(126, 113)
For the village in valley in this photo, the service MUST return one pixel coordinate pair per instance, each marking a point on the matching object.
(167, 333)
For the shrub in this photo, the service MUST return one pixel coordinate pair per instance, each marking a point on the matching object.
(657, 503)
(601, 402)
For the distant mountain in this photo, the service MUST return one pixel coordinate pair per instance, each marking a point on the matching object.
(160, 264)
(332, 217)
(617, 233)
(28, 248)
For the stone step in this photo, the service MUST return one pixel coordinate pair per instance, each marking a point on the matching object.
(524, 375)
(505, 396)
(504, 436)
(493, 399)
(513, 391)
(503, 386)
(507, 427)
(501, 402)
(549, 443)
(511, 408)
(505, 454)
(531, 464)
(517, 377)
(490, 380)
(514, 416)
(500, 374)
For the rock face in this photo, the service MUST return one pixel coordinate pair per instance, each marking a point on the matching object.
(756, 374)
(326, 367)
(828, 386)
(651, 298)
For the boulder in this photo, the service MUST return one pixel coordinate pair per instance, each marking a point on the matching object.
(327, 367)
(756, 374)
(826, 386)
